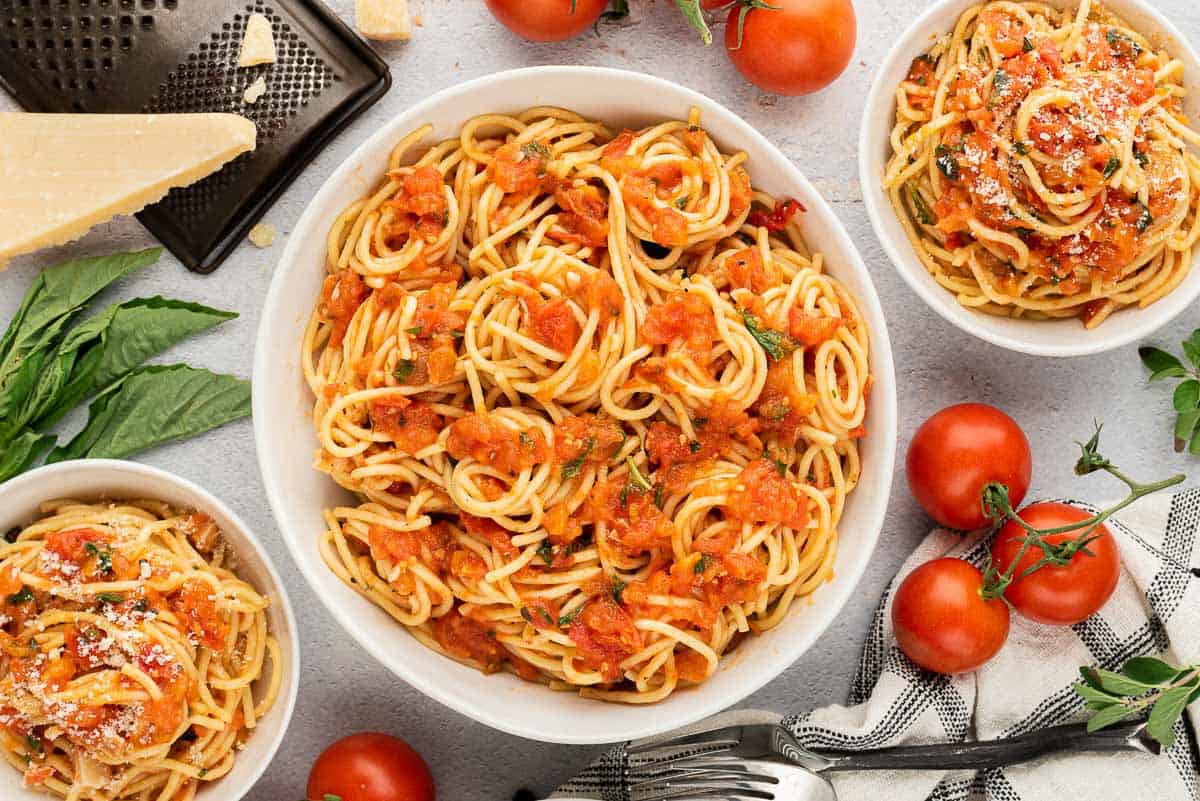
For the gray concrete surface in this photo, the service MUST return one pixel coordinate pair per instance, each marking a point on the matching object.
(343, 690)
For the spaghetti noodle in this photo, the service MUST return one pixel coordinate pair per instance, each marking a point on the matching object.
(1041, 164)
(133, 661)
(597, 399)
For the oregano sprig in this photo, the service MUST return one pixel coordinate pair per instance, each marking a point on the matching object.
(1186, 399)
(1145, 684)
(998, 507)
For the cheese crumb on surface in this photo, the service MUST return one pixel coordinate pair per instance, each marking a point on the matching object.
(258, 44)
(263, 235)
(385, 20)
(255, 90)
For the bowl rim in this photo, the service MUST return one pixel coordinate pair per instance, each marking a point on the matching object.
(48, 475)
(881, 97)
(884, 399)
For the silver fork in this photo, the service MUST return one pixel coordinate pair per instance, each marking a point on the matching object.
(748, 754)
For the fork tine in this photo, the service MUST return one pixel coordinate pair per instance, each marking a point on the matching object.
(726, 790)
(702, 745)
(700, 774)
(706, 729)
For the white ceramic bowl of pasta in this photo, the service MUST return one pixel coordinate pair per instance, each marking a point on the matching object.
(1065, 337)
(100, 479)
(298, 493)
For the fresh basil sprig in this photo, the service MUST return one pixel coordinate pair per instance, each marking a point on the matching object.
(1144, 683)
(1186, 400)
(50, 362)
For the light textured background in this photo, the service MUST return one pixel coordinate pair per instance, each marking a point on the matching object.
(342, 689)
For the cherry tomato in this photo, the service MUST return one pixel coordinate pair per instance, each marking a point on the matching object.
(957, 452)
(942, 621)
(547, 20)
(795, 49)
(1059, 595)
(370, 767)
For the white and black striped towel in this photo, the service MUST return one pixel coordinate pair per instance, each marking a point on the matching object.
(1154, 611)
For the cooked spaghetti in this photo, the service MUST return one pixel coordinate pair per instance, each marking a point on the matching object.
(1042, 164)
(133, 661)
(597, 399)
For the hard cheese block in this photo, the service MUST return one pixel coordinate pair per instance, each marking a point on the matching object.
(64, 173)
(383, 19)
(258, 45)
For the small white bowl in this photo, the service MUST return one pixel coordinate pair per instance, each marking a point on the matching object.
(1065, 337)
(286, 441)
(112, 479)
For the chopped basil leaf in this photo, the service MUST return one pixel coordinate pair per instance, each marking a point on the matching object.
(24, 596)
(110, 597)
(1026, 45)
(575, 466)
(1021, 148)
(1141, 158)
(565, 620)
(1122, 44)
(775, 343)
(1001, 80)
(35, 745)
(404, 369)
(525, 614)
(546, 551)
(618, 587)
(658, 495)
(415, 331)
(947, 163)
(1145, 220)
(103, 558)
(702, 563)
(924, 215)
(682, 202)
(545, 615)
(694, 446)
(1111, 167)
(535, 149)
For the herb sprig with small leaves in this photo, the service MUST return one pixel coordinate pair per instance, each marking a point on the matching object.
(1186, 399)
(997, 506)
(1144, 683)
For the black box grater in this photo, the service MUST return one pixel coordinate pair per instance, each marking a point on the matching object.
(163, 56)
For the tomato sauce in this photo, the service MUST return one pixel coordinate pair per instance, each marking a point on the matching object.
(469, 639)
(492, 443)
(411, 425)
(341, 296)
(760, 494)
(605, 636)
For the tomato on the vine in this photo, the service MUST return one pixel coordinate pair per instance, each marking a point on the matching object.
(942, 620)
(790, 47)
(547, 20)
(959, 451)
(370, 767)
(1057, 594)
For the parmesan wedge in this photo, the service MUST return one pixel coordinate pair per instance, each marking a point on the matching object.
(385, 20)
(258, 44)
(64, 173)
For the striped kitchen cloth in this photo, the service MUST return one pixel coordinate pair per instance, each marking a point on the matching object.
(1155, 610)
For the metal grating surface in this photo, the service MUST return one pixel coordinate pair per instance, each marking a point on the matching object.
(173, 56)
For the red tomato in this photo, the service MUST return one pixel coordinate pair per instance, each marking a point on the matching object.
(370, 767)
(957, 452)
(796, 49)
(941, 620)
(1059, 595)
(547, 20)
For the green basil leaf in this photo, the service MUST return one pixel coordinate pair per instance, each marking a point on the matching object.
(1165, 712)
(1149, 670)
(146, 327)
(1185, 424)
(1194, 445)
(1107, 717)
(21, 452)
(56, 295)
(1157, 360)
(155, 405)
(1186, 395)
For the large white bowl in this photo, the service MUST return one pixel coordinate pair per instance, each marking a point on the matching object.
(95, 479)
(297, 493)
(1066, 337)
